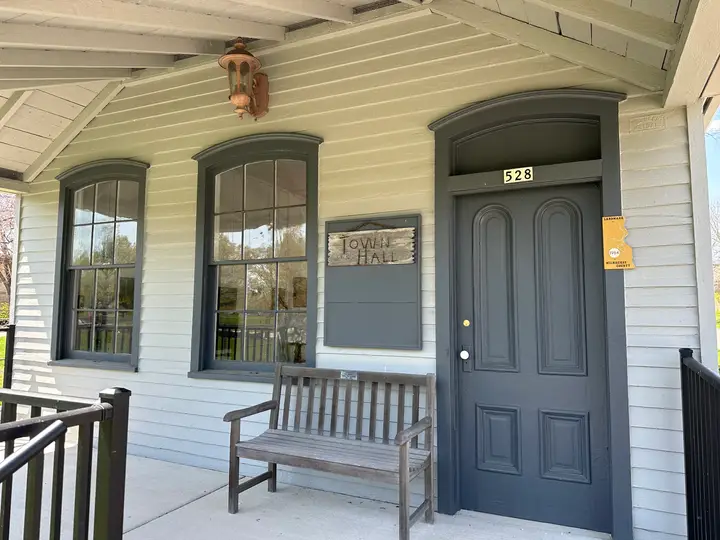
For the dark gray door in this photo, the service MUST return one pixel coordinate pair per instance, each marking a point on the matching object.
(533, 401)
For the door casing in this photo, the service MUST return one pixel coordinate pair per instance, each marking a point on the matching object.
(509, 110)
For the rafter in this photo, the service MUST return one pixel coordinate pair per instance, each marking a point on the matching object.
(47, 37)
(10, 185)
(12, 105)
(550, 43)
(105, 96)
(61, 74)
(72, 59)
(317, 9)
(143, 16)
(623, 20)
(22, 84)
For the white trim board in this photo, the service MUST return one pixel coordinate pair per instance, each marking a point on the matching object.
(701, 232)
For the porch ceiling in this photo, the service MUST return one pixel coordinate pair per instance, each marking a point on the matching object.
(62, 61)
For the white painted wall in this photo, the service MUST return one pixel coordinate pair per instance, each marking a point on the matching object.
(370, 95)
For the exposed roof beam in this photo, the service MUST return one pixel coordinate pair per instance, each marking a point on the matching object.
(62, 74)
(696, 56)
(550, 43)
(154, 18)
(623, 20)
(12, 105)
(48, 37)
(10, 185)
(105, 96)
(318, 9)
(70, 59)
(22, 84)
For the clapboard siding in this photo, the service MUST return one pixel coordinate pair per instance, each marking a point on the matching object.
(370, 95)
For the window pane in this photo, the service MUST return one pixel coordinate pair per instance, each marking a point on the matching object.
(123, 343)
(105, 332)
(82, 238)
(292, 337)
(86, 287)
(103, 244)
(83, 330)
(231, 288)
(126, 293)
(106, 289)
(259, 185)
(261, 286)
(291, 183)
(125, 242)
(84, 205)
(292, 285)
(229, 336)
(260, 337)
(127, 200)
(290, 233)
(258, 234)
(228, 237)
(105, 201)
(229, 191)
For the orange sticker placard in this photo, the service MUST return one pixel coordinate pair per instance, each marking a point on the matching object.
(616, 253)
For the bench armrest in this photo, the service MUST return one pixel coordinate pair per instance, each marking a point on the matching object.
(407, 435)
(249, 411)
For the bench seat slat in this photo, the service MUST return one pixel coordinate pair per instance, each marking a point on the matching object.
(350, 457)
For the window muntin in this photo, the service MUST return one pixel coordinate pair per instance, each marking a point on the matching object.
(101, 267)
(259, 263)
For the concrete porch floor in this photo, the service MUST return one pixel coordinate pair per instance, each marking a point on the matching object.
(176, 502)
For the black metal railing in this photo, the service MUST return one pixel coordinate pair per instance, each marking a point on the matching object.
(110, 412)
(701, 432)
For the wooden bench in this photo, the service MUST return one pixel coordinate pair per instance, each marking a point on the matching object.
(350, 423)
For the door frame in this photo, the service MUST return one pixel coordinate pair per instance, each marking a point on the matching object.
(601, 107)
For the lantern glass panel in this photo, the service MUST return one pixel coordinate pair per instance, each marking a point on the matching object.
(232, 77)
(245, 78)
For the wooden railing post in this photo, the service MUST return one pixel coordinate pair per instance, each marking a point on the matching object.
(111, 464)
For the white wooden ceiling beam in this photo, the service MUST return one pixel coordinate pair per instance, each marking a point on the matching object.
(61, 74)
(10, 185)
(22, 84)
(26, 36)
(550, 43)
(312, 9)
(152, 18)
(76, 59)
(623, 20)
(105, 96)
(696, 56)
(12, 105)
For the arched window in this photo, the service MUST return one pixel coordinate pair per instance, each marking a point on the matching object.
(256, 271)
(97, 297)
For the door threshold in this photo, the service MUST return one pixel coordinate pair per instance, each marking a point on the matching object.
(532, 530)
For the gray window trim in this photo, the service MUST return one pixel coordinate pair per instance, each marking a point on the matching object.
(70, 180)
(501, 111)
(214, 160)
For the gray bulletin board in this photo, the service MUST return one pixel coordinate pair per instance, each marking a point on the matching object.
(372, 283)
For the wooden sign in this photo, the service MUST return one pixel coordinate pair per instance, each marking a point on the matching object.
(367, 248)
(616, 253)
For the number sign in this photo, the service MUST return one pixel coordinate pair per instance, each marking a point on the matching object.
(513, 176)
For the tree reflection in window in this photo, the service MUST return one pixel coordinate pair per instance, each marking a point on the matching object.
(260, 262)
(102, 266)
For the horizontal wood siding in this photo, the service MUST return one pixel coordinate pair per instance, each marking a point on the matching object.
(370, 95)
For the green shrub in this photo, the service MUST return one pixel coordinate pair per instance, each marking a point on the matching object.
(4, 311)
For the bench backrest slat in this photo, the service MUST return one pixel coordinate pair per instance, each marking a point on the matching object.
(299, 403)
(415, 411)
(359, 413)
(370, 401)
(321, 411)
(373, 409)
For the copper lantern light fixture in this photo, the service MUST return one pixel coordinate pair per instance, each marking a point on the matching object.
(249, 90)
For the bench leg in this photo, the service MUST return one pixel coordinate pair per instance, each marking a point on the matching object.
(272, 482)
(234, 469)
(404, 486)
(430, 493)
